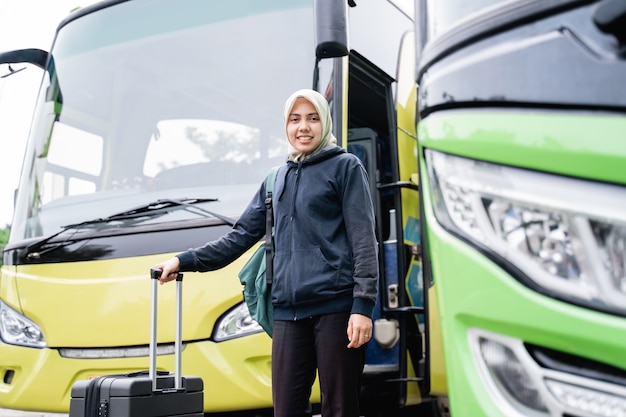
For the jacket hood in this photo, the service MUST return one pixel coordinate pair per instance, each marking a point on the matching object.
(322, 154)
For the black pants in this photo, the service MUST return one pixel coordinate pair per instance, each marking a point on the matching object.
(299, 348)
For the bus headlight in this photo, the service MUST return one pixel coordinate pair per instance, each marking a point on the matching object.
(510, 374)
(586, 400)
(15, 329)
(568, 236)
(236, 323)
(520, 386)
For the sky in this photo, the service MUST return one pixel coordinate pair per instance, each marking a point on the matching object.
(23, 24)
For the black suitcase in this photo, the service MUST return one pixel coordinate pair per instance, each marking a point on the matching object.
(143, 394)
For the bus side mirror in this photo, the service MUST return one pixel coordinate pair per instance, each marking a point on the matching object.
(32, 56)
(331, 28)
(610, 18)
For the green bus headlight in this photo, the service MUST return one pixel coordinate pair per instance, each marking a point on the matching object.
(510, 375)
(586, 400)
(568, 236)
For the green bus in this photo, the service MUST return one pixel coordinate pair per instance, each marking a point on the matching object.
(522, 154)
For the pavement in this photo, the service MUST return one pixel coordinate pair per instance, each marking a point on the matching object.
(18, 413)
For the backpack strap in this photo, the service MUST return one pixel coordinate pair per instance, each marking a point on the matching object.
(269, 224)
(271, 179)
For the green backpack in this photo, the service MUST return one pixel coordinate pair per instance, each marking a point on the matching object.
(256, 274)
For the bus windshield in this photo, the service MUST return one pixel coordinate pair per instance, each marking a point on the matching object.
(179, 101)
(444, 14)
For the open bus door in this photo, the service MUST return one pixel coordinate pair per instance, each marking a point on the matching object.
(380, 130)
(395, 361)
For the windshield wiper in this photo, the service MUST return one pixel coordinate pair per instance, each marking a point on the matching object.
(165, 203)
(145, 210)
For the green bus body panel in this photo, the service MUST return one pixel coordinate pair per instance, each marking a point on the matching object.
(472, 290)
(585, 145)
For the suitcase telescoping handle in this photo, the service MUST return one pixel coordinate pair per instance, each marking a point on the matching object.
(154, 275)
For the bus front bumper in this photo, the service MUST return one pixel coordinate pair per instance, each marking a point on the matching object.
(41, 379)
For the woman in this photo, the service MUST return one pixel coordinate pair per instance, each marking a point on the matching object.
(325, 264)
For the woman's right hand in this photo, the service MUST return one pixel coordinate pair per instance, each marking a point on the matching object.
(169, 270)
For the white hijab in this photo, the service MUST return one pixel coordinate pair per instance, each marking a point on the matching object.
(321, 105)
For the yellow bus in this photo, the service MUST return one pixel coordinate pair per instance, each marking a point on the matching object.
(156, 121)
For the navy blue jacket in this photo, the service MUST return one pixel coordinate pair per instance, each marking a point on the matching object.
(325, 257)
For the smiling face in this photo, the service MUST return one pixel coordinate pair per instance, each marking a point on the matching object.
(304, 127)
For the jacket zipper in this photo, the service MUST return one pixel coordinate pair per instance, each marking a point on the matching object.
(291, 237)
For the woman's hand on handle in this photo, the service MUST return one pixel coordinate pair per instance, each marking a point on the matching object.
(169, 270)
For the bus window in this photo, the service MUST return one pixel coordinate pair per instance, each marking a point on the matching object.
(65, 174)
